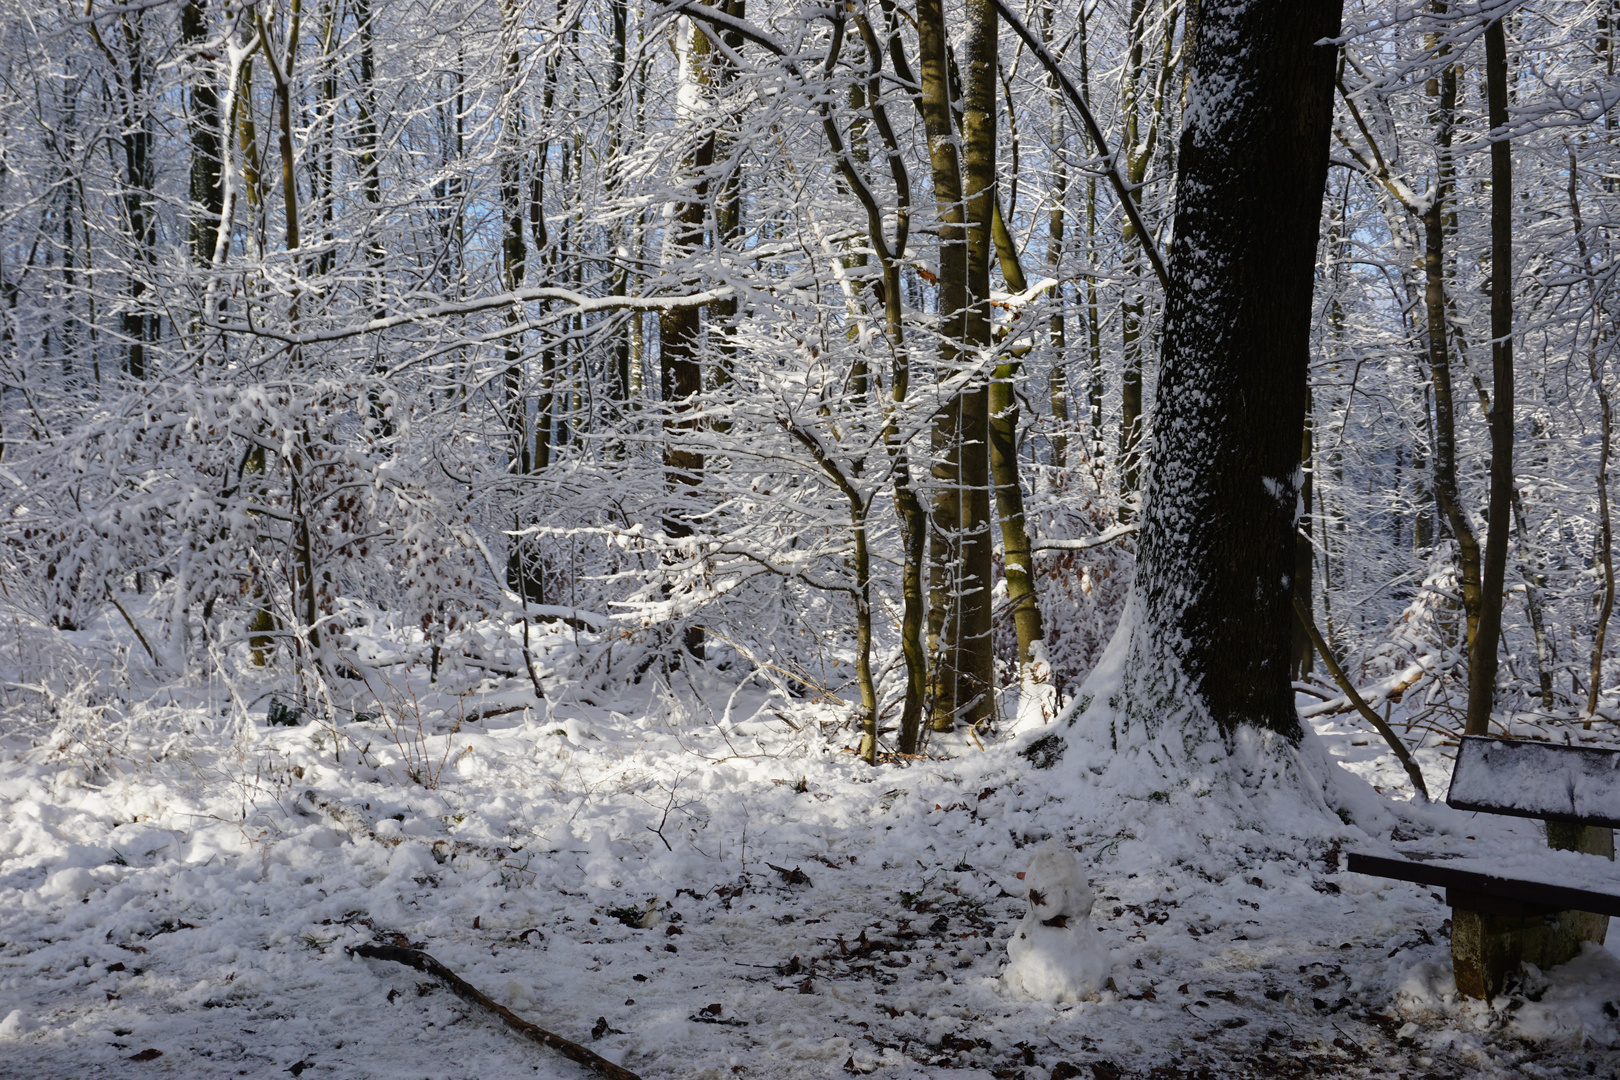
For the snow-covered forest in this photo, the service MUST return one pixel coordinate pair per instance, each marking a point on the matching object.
(634, 499)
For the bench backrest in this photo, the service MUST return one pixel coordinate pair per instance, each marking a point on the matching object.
(1520, 778)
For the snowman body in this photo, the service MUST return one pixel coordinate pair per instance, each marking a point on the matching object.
(1053, 950)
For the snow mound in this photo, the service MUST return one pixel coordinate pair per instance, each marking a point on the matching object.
(1054, 952)
(14, 1026)
(72, 881)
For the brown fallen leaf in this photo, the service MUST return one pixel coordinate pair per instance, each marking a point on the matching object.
(794, 876)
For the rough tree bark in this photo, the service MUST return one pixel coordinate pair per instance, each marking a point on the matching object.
(1209, 642)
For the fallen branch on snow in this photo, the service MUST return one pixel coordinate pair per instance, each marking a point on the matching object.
(422, 962)
(1390, 689)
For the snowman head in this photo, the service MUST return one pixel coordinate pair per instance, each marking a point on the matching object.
(1056, 885)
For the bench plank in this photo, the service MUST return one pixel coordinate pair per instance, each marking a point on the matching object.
(1519, 778)
(1548, 884)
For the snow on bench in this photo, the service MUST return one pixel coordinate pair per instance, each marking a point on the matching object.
(1577, 784)
(1550, 881)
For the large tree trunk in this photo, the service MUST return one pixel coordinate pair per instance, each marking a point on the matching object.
(1213, 605)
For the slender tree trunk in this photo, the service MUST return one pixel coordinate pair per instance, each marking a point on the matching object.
(680, 328)
(1094, 390)
(1605, 550)
(913, 535)
(247, 137)
(1434, 296)
(1017, 553)
(1532, 604)
(728, 207)
(281, 73)
(975, 657)
(1605, 538)
(1483, 657)
(1214, 611)
(1130, 387)
(863, 640)
(1058, 328)
(934, 102)
(618, 388)
(207, 193)
(525, 574)
(1138, 151)
(371, 192)
(908, 507)
(1302, 649)
(139, 327)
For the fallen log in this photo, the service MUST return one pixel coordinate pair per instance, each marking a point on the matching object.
(1386, 691)
(422, 962)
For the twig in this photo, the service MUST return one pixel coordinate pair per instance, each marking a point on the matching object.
(422, 962)
(138, 635)
(668, 806)
(1122, 189)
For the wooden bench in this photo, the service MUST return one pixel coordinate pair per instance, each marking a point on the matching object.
(1532, 907)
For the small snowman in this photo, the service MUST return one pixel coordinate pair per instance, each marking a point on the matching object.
(1054, 954)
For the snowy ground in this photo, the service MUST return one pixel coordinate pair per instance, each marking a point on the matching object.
(609, 866)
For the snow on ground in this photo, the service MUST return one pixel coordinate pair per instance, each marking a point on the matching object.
(606, 867)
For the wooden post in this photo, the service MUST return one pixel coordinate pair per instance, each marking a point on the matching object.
(1492, 938)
